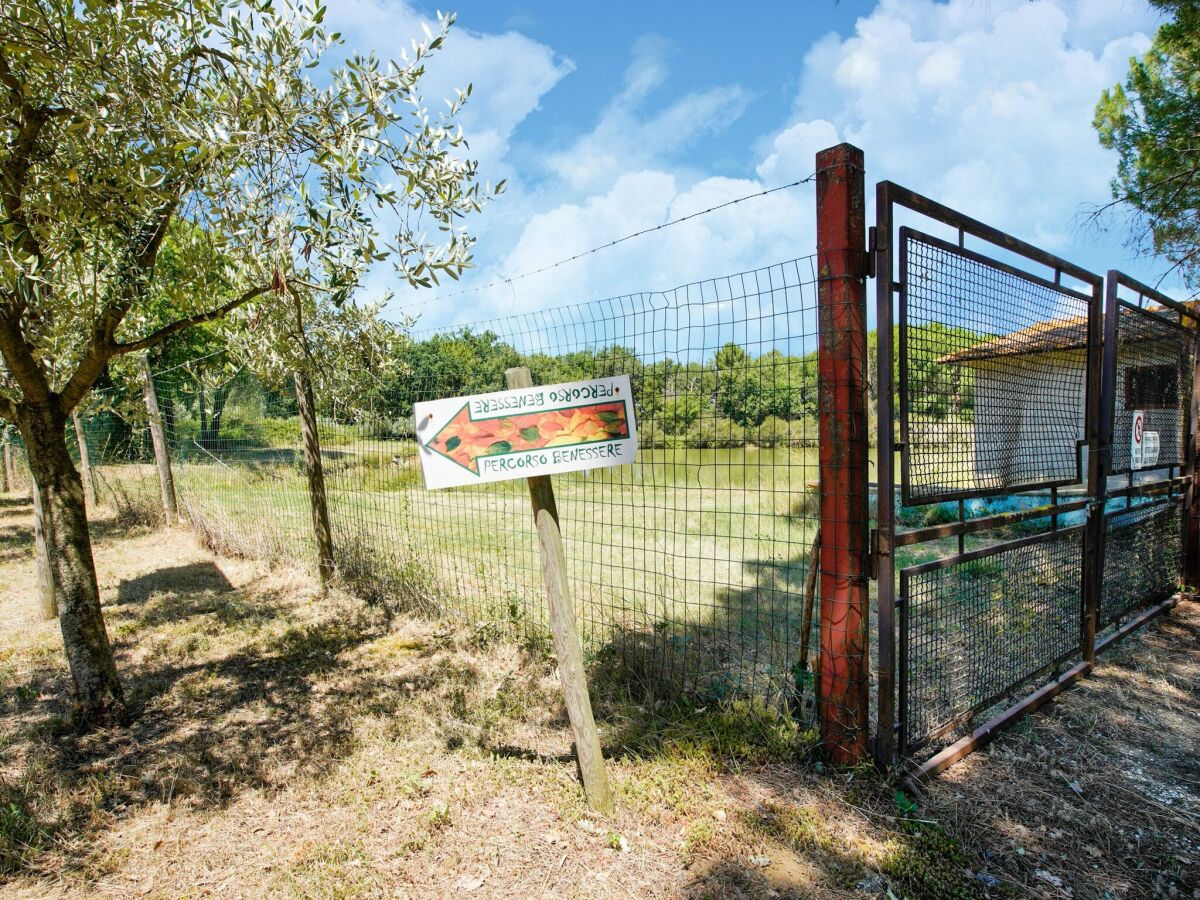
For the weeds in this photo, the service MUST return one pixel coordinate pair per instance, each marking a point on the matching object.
(20, 831)
(393, 586)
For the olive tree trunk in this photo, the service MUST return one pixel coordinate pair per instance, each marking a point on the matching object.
(85, 461)
(47, 601)
(162, 453)
(315, 470)
(98, 695)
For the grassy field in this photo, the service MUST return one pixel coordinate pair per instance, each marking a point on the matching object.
(689, 565)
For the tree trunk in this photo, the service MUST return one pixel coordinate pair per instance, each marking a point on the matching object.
(162, 453)
(210, 423)
(6, 484)
(47, 602)
(85, 462)
(200, 404)
(315, 471)
(98, 695)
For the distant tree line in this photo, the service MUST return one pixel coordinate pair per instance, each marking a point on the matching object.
(727, 400)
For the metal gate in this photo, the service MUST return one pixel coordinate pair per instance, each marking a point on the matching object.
(1012, 373)
(1148, 398)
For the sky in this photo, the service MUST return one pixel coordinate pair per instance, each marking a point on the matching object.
(610, 118)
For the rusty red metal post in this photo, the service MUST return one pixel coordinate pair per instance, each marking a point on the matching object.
(842, 401)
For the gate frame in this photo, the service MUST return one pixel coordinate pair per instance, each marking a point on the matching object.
(882, 239)
(1114, 281)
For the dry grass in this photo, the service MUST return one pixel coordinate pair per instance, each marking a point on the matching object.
(289, 744)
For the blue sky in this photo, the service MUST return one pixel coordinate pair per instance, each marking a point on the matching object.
(609, 118)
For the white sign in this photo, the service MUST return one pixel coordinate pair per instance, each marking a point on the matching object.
(1150, 445)
(1137, 443)
(526, 432)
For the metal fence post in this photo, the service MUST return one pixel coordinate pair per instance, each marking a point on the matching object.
(1101, 389)
(1191, 499)
(843, 677)
(315, 471)
(162, 454)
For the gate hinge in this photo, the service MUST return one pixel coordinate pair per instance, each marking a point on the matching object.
(874, 564)
(868, 260)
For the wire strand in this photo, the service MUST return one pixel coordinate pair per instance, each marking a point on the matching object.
(629, 237)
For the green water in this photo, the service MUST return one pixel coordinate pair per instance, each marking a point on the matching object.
(792, 468)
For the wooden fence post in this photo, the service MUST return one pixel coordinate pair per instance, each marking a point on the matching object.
(10, 463)
(162, 453)
(47, 598)
(6, 477)
(843, 674)
(315, 470)
(566, 635)
(85, 462)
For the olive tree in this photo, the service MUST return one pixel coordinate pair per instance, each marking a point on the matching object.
(125, 120)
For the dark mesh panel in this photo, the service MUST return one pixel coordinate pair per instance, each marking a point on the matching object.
(981, 627)
(1141, 558)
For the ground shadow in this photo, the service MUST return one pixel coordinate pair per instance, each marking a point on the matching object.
(206, 729)
(191, 578)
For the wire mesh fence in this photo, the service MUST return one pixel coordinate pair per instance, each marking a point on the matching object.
(689, 568)
(1033, 537)
(1155, 353)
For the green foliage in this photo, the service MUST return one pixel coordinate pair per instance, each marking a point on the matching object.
(716, 433)
(1151, 122)
(775, 432)
(734, 731)
(680, 413)
(928, 863)
(170, 164)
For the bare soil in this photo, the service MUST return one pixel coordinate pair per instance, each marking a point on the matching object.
(292, 744)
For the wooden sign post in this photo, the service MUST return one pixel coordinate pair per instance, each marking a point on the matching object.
(566, 635)
(532, 433)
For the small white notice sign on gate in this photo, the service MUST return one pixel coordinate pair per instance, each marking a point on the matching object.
(526, 432)
(1150, 443)
(1137, 440)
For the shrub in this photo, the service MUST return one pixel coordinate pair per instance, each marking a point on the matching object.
(679, 414)
(773, 432)
(716, 433)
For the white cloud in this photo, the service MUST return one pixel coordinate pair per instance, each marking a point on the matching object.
(984, 106)
(794, 150)
(627, 138)
(764, 230)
